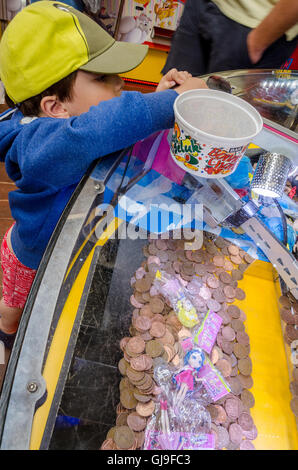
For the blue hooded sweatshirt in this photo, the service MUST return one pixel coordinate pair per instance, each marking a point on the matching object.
(47, 157)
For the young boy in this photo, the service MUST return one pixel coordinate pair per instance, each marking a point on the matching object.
(58, 68)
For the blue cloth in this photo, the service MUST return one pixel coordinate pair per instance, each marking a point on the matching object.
(47, 157)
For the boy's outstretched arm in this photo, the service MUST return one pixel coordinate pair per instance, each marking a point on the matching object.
(175, 78)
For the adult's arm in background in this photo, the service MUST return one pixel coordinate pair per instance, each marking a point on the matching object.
(281, 18)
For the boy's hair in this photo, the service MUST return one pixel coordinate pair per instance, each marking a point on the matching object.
(62, 89)
(48, 40)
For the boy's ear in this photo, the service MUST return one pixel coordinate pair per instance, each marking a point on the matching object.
(51, 106)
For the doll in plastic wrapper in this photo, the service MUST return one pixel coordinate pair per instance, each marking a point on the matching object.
(187, 376)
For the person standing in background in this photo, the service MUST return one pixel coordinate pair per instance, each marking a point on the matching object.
(217, 35)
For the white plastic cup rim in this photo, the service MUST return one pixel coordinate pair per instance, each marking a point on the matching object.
(222, 96)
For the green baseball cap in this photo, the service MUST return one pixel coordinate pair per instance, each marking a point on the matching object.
(46, 41)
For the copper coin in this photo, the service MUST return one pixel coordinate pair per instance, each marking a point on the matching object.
(136, 422)
(136, 345)
(228, 333)
(233, 249)
(252, 434)
(249, 259)
(156, 305)
(235, 432)
(200, 269)
(188, 268)
(225, 278)
(216, 354)
(246, 445)
(212, 282)
(146, 311)
(140, 438)
(154, 348)
(121, 419)
(213, 305)
(134, 375)
(218, 260)
(247, 399)
(143, 285)
(240, 350)
(108, 444)
(238, 326)
(111, 432)
(245, 366)
(157, 329)
(292, 332)
(227, 347)
(236, 259)
(122, 365)
(228, 266)
(127, 399)
(168, 338)
(229, 291)
(124, 437)
(285, 301)
(142, 323)
(246, 380)
(242, 337)
(236, 275)
(142, 398)
(213, 410)
(145, 409)
(141, 363)
(245, 421)
(220, 242)
(221, 415)
(234, 311)
(124, 342)
(294, 405)
(239, 294)
(222, 438)
(224, 367)
(226, 319)
(235, 385)
(289, 317)
(233, 407)
(242, 267)
(219, 295)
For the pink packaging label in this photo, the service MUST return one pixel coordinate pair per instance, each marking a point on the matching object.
(156, 440)
(213, 382)
(206, 336)
(187, 344)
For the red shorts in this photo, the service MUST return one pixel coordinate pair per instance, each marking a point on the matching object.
(17, 278)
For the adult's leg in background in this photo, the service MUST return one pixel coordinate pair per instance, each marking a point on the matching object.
(189, 51)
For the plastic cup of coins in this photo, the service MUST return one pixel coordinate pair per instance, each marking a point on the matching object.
(212, 131)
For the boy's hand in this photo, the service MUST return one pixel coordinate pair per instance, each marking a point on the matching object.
(191, 84)
(172, 78)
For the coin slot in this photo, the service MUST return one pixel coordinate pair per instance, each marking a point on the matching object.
(259, 236)
(280, 261)
(294, 280)
(267, 244)
(251, 227)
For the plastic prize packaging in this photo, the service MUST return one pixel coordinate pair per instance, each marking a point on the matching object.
(180, 421)
(177, 296)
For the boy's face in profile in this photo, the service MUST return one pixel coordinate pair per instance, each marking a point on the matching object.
(90, 89)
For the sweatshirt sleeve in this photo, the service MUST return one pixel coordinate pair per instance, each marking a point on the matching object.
(61, 150)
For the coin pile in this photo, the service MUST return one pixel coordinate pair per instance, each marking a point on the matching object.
(289, 314)
(156, 331)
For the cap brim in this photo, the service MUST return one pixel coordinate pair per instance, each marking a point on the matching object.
(119, 58)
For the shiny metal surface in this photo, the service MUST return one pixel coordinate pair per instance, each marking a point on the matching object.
(274, 93)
